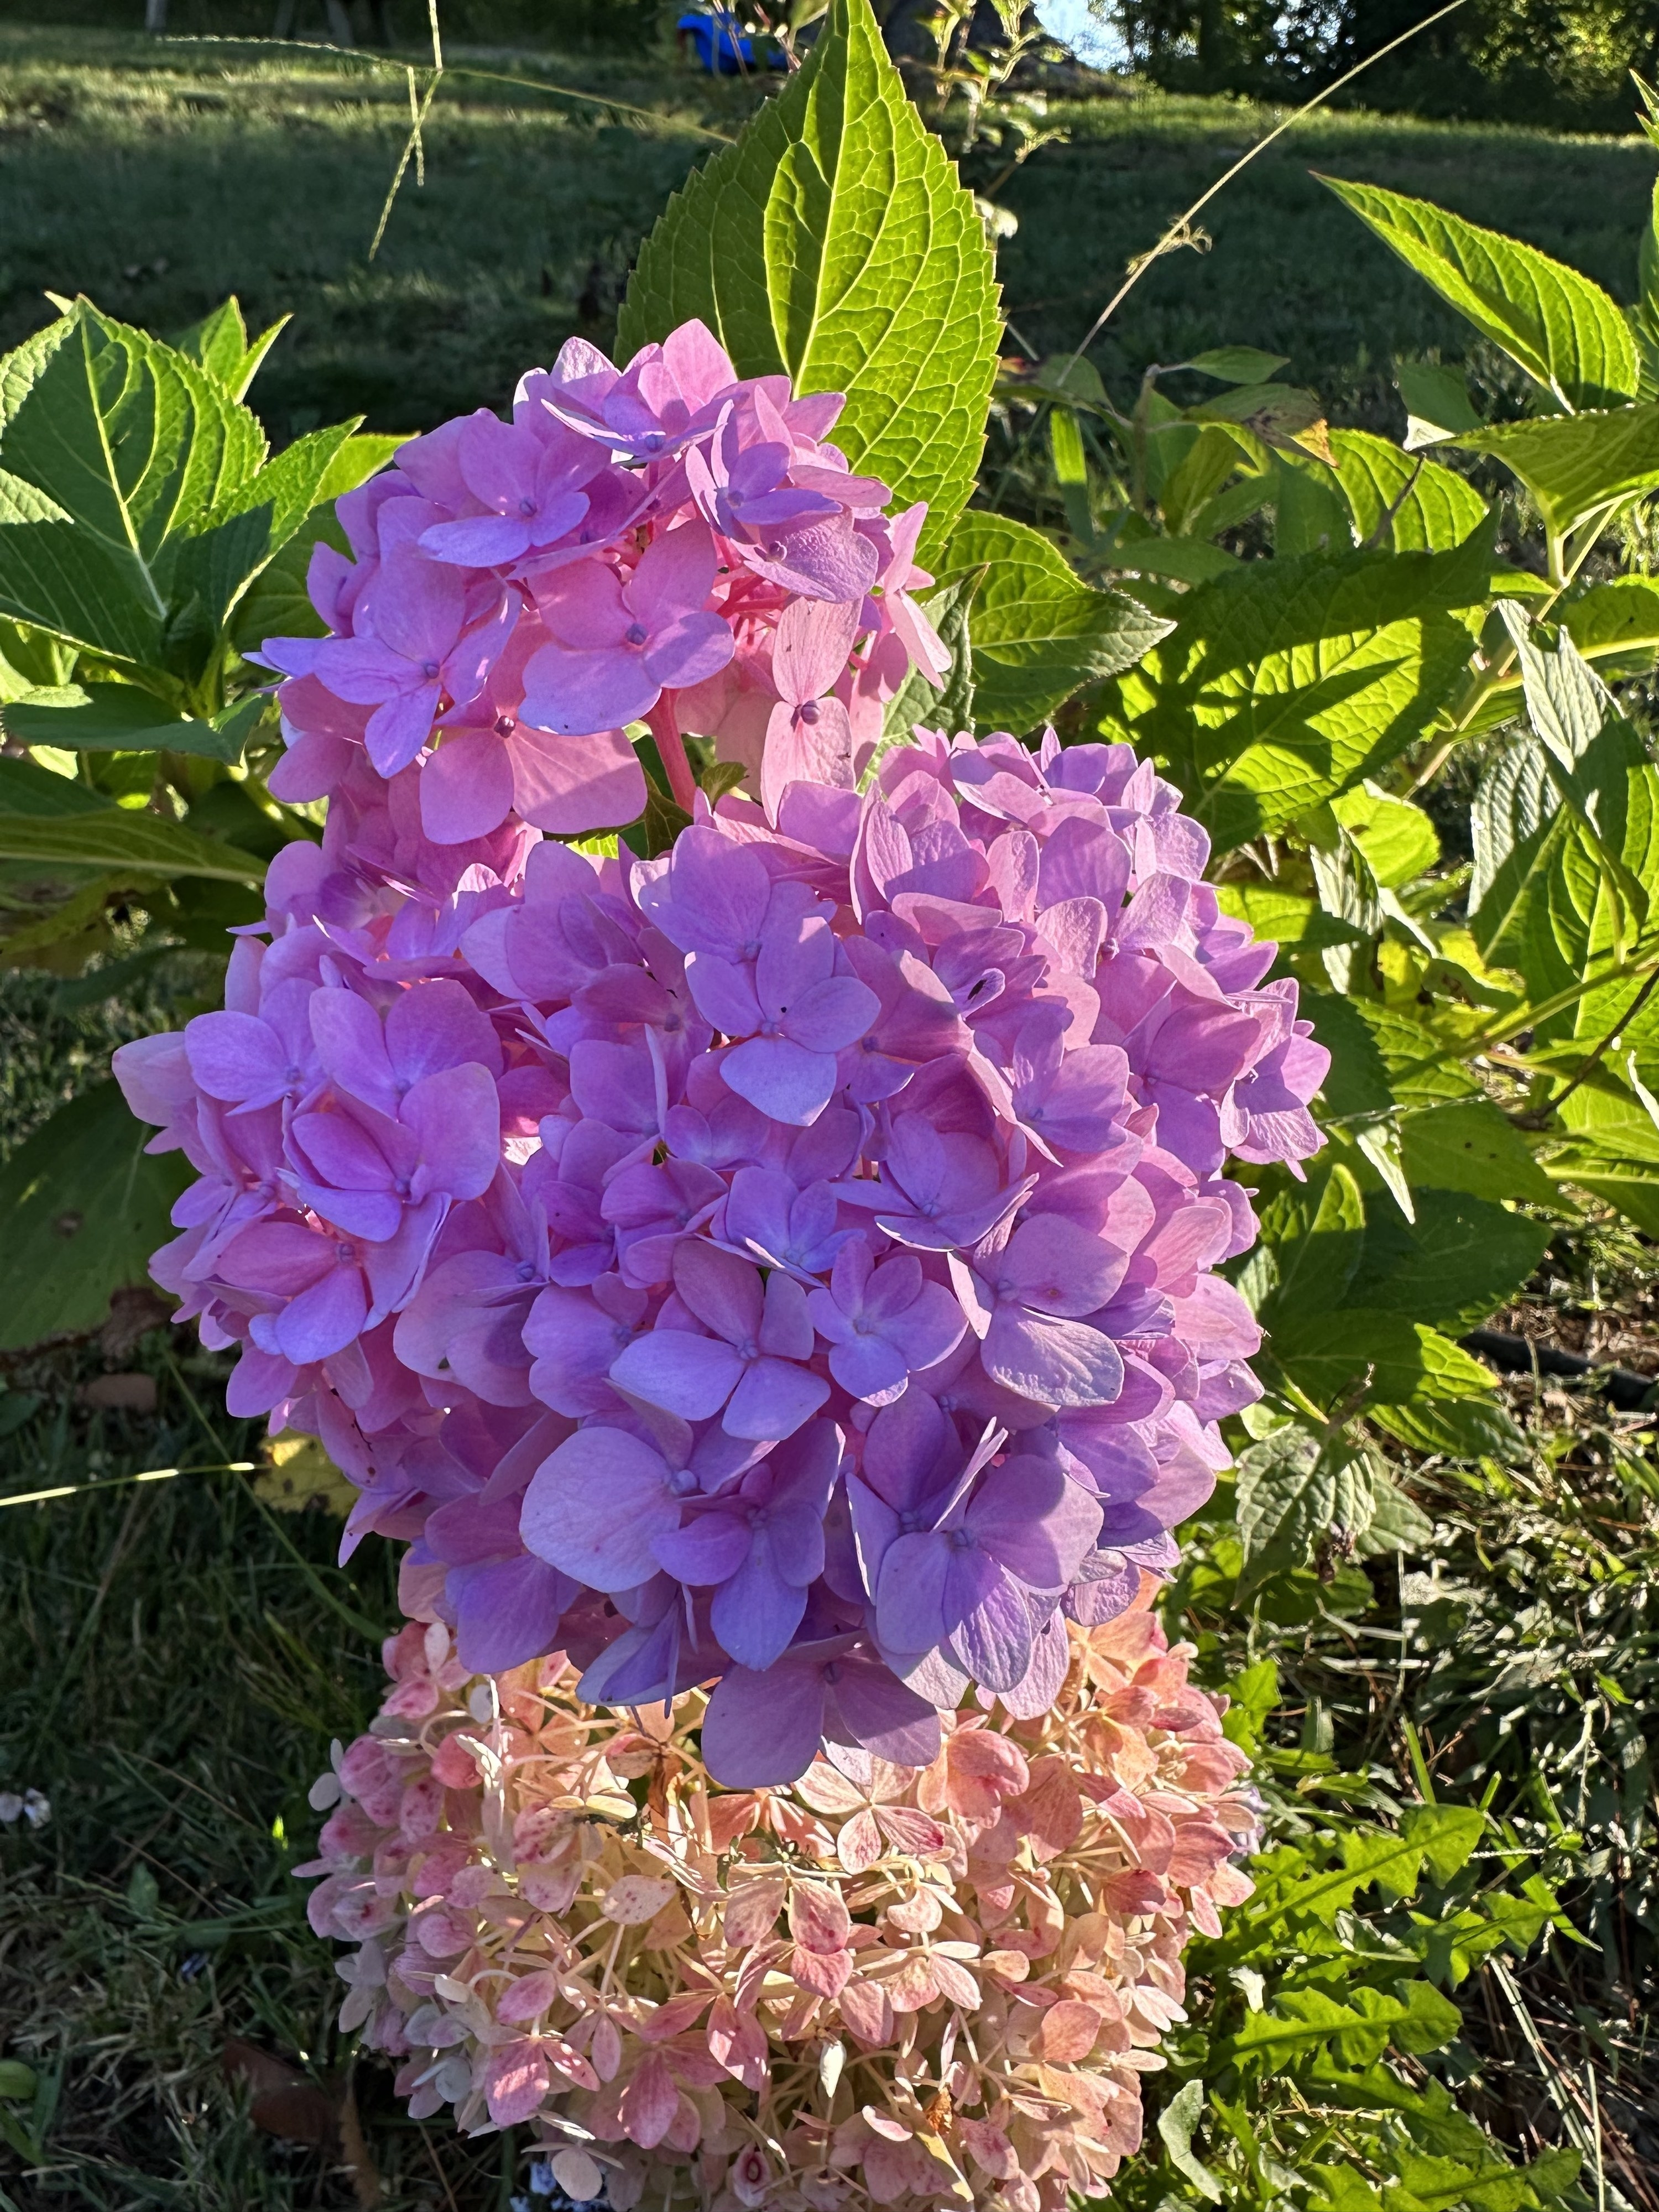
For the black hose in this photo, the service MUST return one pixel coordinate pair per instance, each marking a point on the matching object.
(1514, 1355)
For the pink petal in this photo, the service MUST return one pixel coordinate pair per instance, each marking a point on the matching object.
(814, 638)
(573, 785)
(467, 787)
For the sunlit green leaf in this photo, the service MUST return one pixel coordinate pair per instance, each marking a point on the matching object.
(1562, 329)
(1577, 466)
(834, 244)
(1291, 681)
(1039, 632)
(1405, 501)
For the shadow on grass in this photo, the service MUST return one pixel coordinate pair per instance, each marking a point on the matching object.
(175, 1664)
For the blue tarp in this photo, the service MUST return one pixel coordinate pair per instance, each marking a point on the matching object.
(721, 48)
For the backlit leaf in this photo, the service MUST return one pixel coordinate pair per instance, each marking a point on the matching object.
(1562, 329)
(834, 243)
(1404, 501)
(1577, 466)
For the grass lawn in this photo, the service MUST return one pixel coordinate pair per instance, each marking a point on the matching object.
(159, 178)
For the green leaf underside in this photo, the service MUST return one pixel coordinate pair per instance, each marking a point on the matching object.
(834, 244)
(1563, 330)
(125, 840)
(1039, 632)
(1577, 466)
(82, 1207)
(111, 718)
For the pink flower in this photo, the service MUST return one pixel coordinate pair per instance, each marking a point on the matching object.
(615, 644)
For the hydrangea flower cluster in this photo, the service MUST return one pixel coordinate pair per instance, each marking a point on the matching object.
(667, 544)
(786, 1263)
(914, 1985)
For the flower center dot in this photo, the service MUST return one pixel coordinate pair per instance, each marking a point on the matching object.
(634, 634)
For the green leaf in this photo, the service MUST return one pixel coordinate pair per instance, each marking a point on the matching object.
(82, 1206)
(56, 579)
(1396, 1525)
(916, 703)
(1292, 918)
(1408, 503)
(1437, 402)
(1446, 1835)
(1039, 632)
(1237, 364)
(1430, 2020)
(111, 718)
(1564, 331)
(1461, 1260)
(1457, 1428)
(122, 838)
(217, 565)
(1517, 823)
(1450, 2185)
(1316, 1262)
(17, 2080)
(1617, 622)
(219, 344)
(26, 787)
(1176, 2124)
(1405, 1361)
(1607, 1172)
(1293, 1486)
(129, 440)
(1291, 681)
(834, 244)
(1577, 466)
(1397, 839)
(1341, 2189)
(1468, 1144)
(1254, 1692)
(1309, 512)
(363, 455)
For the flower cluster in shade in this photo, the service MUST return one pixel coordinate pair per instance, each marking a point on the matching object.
(788, 1263)
(909, 1986)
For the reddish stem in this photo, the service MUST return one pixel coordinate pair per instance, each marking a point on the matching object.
(664, 726)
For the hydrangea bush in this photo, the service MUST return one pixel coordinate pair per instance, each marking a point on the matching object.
(914, 1985)
(785, 1263)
